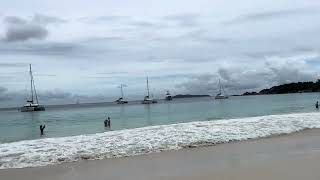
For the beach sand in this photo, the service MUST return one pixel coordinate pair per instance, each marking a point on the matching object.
(286, 157)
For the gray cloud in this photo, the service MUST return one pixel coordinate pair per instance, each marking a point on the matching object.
(184, 19)
(3, 89)
(204, 36)
(238, 80)
(224, 74)
(44, 96)
(288, 73)
(103, 19)
(198, 84)
(103, 39)
(113, 73)
(51, 48)
(215, 40)
(314, 62)
(6, 65)
(44, 19)
(25, 32)
(19, 29)
(3, 94)
(101, 77)
(36, 19)
(56, 96)
(145, 24)
(46, 75)
(124, 22)
(39, 48)
(81, 49)
(14, 20)
(273, 14)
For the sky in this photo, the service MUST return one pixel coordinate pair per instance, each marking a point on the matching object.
(83, 50)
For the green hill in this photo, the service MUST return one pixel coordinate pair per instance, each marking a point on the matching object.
(298, 87)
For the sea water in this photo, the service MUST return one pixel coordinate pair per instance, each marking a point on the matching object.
(73, 134)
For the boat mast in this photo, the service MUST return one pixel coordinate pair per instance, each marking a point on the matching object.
(121, 86)
(219, 87)
(33, 88)
(31, 83)
(148, 87)
(35, 92)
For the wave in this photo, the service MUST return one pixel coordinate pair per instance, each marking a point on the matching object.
(49, 151)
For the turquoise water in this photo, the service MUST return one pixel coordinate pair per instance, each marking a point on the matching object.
(69, 121)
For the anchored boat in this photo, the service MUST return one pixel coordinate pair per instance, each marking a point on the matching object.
(32, 103)
(221, 94)
(147, 99)
(168, 96)
(121, 100)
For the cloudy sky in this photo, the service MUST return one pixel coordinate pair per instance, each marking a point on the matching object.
(83, 49)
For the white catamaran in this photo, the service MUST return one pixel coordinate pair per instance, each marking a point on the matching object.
(33, 103)
(121, 100)
(221, 94)
(147, 99)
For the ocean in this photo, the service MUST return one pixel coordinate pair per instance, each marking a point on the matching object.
(77, 132)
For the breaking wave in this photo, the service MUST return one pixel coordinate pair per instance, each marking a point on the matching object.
(130, 142)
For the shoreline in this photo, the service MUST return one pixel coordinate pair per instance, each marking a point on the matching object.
(291, 156)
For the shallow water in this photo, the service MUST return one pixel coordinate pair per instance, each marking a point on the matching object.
(69, 121)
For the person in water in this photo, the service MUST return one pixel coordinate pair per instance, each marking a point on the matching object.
(317, 105)
(107, 122)
(42, 128)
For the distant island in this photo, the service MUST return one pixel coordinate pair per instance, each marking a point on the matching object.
(189, 96)
(299, 87)
(250, 93)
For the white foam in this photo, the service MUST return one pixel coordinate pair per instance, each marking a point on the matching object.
(42, 152)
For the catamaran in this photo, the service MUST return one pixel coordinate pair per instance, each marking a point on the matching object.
(221, 94)
(33, 103)
(147, 99)
(121, 100)
(168, 96)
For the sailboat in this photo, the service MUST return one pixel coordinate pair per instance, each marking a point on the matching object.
(168, 96)
(221, 94)
(33, 103)
(147, 99)
(121, 99)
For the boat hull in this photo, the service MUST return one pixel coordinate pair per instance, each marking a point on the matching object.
(149, 102)
(221, 97)
(122, 102)
(32, 108)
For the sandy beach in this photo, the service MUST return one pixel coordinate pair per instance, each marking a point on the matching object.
(293, 157)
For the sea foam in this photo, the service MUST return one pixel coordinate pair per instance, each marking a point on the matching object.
(49, 151)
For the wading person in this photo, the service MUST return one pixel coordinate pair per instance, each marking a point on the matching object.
(107, 122)
(42, 128)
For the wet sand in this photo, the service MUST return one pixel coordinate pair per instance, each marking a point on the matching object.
(287, 157)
